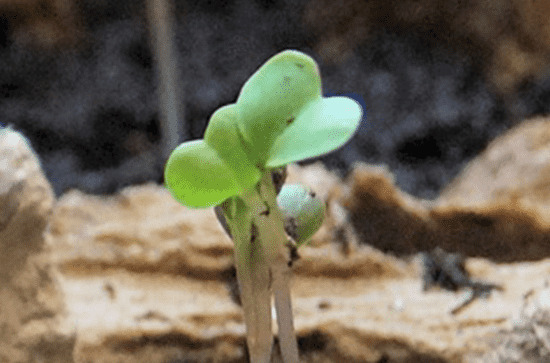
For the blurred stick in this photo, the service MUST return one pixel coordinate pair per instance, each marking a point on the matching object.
(161, 27)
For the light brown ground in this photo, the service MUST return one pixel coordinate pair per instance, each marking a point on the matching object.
(139, 278)
(147, 280)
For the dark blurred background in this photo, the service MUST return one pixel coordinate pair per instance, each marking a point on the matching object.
(439, 80)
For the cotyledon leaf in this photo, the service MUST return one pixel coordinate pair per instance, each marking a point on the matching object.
(222, 135)
(323, 126)
(270, 100)
(197, 177)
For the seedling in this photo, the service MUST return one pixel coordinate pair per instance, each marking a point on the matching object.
(280, 117)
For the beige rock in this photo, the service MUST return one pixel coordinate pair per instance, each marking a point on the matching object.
(498, 207)
(503, 198)
(30, 300)
(515, 168)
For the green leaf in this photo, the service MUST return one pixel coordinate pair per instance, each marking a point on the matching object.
(271, 99)
(197, 177)
(323, 126)
(222, 135)
(303, 212)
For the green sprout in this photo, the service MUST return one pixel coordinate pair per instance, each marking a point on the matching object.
(280, 117)
(302, 211)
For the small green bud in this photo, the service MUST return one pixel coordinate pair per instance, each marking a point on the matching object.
(302, 210)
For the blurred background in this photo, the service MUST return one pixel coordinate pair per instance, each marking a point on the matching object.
(439, 79)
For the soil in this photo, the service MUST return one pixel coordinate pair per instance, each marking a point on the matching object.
(144, 279)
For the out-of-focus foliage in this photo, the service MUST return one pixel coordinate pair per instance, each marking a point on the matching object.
(90, 109)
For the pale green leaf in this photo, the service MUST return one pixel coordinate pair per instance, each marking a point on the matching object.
(272, 97)
(323, 126)
(197, 177)
(222, 135)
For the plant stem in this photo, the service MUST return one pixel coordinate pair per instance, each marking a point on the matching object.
(274, 241)
(254, 279)
(283, 305)
(261, 259)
